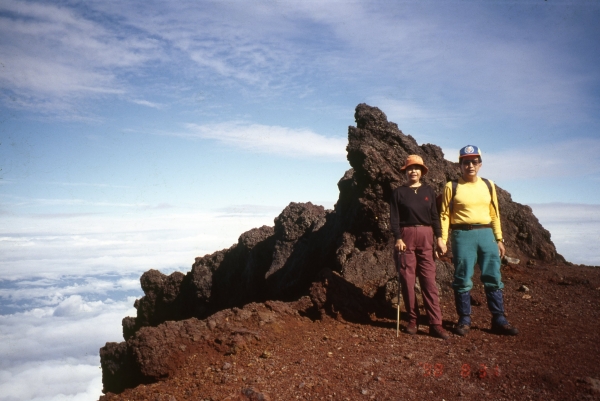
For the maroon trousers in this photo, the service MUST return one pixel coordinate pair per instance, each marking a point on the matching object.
(418, 261)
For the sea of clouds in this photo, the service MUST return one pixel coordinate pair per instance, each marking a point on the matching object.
(67, 282)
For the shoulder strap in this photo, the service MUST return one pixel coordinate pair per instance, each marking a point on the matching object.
(489, 185)
(454, 185)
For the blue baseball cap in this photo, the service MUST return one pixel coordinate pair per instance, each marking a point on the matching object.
(469, 150)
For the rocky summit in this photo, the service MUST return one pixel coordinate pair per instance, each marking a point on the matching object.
(335, 263)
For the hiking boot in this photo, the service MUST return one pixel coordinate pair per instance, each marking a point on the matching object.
(462, 329)
(436, 330)
(463, 308)
(499, 323)
(504, 329)
(411, 328)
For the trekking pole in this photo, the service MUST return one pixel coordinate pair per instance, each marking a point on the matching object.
(400, 256)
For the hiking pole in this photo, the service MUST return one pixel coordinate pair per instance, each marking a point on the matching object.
(400, 256)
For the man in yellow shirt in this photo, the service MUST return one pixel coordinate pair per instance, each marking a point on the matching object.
(470, 209)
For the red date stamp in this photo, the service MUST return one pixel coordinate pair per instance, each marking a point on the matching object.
(432, 370)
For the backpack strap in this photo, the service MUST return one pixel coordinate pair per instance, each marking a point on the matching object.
(454, 185)
(489, 185)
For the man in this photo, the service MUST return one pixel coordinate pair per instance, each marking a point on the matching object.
(471, 211)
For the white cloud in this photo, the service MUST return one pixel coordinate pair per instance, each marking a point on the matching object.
(72, 306)
(52, 353)
(575, 229)
(63, 291)
(52, 380)
(271, 139)
(100, 244)
(60, 275)
(52, 54)
(148, 104)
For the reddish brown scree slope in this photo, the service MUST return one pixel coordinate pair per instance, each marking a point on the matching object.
(271, 352)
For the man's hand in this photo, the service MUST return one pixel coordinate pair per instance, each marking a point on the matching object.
(400, 246)
(501, 249)
(441, 247)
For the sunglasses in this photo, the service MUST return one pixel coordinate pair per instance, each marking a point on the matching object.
(473, 162)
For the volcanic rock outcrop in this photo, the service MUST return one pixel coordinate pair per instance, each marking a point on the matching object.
(342, 258)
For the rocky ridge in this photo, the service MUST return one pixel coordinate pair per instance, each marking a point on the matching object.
(340, 260)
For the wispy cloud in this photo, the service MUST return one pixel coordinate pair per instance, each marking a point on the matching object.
(438, 59)
(52, 54)
(148, 104)
(270, 139)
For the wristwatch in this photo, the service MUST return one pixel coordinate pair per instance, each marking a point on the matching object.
(500, 240)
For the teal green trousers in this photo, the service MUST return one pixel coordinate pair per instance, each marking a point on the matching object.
(470, 247)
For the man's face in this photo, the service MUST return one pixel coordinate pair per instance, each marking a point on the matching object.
(469, 166)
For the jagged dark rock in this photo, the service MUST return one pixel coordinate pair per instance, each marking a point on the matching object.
(346, 253)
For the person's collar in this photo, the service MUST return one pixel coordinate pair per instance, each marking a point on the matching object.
(477, 178)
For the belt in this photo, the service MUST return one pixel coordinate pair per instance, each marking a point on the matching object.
(467, 227)
(416, 225)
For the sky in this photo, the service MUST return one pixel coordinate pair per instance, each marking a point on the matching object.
(138, 135)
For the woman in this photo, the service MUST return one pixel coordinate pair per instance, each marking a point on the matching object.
(415, 220)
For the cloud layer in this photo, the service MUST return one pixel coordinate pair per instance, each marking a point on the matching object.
(574, 229)
(51, 352)
(96, 244)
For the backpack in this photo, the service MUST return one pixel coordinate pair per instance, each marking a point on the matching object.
(440, 197)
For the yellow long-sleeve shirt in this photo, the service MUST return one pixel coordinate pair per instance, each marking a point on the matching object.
(472, 205)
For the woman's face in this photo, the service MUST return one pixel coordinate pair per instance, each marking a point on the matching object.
(413, 173)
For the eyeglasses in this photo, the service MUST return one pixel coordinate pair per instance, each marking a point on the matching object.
(467, 162)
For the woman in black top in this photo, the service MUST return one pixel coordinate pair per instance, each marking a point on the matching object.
(415, 221)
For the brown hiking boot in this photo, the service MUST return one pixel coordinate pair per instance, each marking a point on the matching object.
(504, 329)
(462, 329)
(411, 328)
(436, 330)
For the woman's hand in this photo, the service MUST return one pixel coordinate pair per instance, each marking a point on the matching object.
(441, 246)
(400, 246)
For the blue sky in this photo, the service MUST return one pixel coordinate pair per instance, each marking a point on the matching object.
(137, 135)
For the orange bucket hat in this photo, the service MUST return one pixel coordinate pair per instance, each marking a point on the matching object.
(414, 159)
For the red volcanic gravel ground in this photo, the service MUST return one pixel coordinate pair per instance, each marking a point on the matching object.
(556, 356)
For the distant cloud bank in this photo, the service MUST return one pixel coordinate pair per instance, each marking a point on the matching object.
(574, 229)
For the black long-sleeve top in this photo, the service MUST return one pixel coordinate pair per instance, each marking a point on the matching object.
(408, 208)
